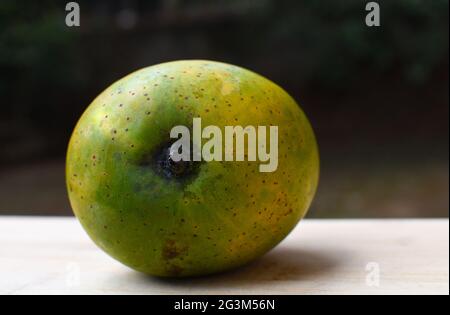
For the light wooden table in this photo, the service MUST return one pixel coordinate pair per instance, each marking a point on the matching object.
(54, 256)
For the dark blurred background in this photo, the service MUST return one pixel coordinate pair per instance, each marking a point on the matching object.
(377, 97)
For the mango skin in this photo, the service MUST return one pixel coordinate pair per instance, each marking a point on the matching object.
(229, 213)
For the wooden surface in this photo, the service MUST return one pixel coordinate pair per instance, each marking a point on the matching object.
(54, 256)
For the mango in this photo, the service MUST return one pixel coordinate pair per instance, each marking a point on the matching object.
(178, 219)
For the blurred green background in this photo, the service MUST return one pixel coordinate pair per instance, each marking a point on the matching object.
(377, 97)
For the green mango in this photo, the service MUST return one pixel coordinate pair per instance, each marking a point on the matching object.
(188, 218)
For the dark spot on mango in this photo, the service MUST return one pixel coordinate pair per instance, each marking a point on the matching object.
(172, 250)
